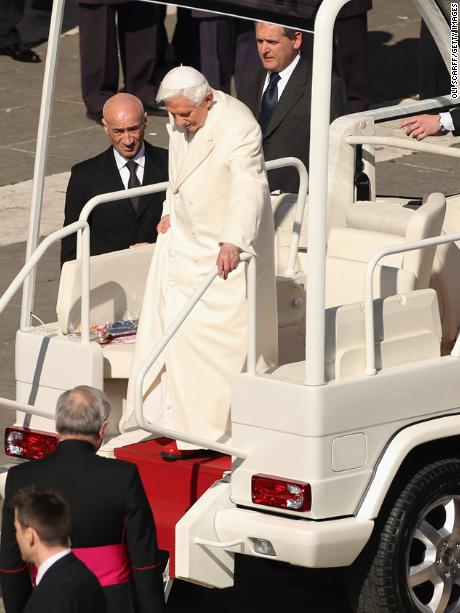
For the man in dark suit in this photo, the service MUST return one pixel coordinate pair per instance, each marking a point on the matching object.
(226, 48)
(113, 531)
(121, 224)
(352, 52)
(42, 520)
(137, 29)
(11, 12)
(278, 92)
(421, 126)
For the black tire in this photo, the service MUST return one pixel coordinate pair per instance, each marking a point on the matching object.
(387, 577)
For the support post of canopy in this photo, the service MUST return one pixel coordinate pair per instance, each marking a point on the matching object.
(41, 155)
(317, 207)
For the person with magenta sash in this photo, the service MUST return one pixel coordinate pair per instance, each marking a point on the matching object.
(113, 530)
(64, 584)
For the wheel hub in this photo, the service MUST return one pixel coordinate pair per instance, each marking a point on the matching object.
(448, 559)
(433, 558)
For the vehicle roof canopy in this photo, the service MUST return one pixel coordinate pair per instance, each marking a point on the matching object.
(295, 13)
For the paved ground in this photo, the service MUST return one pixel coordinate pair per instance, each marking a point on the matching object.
(393, 27)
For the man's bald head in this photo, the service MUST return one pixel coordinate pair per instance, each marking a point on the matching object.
(120, 105)
(124, 123)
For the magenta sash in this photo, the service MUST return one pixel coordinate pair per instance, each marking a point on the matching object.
(110, 563)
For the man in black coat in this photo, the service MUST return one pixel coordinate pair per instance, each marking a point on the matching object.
(42, 520)
(113, 531)
(136, 30)
(286, 127)
(11, 12)
(121, 224)
(352, 52)
(227, 48)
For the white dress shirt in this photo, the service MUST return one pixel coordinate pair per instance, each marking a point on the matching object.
(48, 563)
(284, 76)
(446, 121)
(139, 158)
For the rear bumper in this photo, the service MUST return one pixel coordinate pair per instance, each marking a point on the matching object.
(300, 542)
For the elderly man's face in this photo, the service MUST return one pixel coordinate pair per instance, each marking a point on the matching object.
(187, 115)
(276, 50)
(125, 124)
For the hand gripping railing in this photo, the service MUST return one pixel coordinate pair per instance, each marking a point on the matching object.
(168, 335)
(369, 292)
(300, 206)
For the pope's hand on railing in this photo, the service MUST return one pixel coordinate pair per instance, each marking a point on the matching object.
(228, 259)
(164, 224)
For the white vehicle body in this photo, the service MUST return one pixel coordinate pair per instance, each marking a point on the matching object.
(366, 393)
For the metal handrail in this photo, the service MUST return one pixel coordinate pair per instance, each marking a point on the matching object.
(19, 279)
(403, 143)
(300, 206)
(369, 292)
(168, 335)
(35, 257)
(83, 242)
(41, 150)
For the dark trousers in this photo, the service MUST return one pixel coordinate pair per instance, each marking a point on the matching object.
(11, 12)
(433, 76)
(353, 59)
(228, 47)
(136, 33)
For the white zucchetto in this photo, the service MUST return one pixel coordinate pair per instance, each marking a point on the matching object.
(182, 77)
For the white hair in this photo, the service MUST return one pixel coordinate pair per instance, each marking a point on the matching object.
(184, 81)
(195, 95)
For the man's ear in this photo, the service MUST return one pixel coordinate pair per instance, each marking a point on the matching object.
(104, 125)
(31, 536)
(208, 100)
(102, 428)
(297, 40)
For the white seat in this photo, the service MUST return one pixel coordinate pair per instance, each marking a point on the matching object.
(372, 226)
(407, 329)
(115, 293)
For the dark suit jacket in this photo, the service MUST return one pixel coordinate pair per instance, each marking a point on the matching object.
(355, 7)
(108, 505)
(67, 587)
(288, 132)
(114, 226)
(455, 114)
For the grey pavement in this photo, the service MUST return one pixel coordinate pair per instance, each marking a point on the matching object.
(393, 34)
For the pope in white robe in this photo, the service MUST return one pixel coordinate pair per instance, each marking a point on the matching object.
(217, 206)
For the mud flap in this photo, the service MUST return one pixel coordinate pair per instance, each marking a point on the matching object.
(200, 557)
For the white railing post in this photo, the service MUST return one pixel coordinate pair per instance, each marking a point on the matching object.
(252, 316)
(85, 285)
(41, 152)
(318, 176)
(300, 206)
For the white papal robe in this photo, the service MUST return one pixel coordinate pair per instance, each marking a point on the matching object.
(217, 193)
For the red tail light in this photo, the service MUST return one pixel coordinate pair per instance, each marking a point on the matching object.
(281, 493)
(29, 444)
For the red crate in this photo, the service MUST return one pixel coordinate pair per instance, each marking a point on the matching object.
(172, 487)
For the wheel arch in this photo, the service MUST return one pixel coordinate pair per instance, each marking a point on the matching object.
(411, 448)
